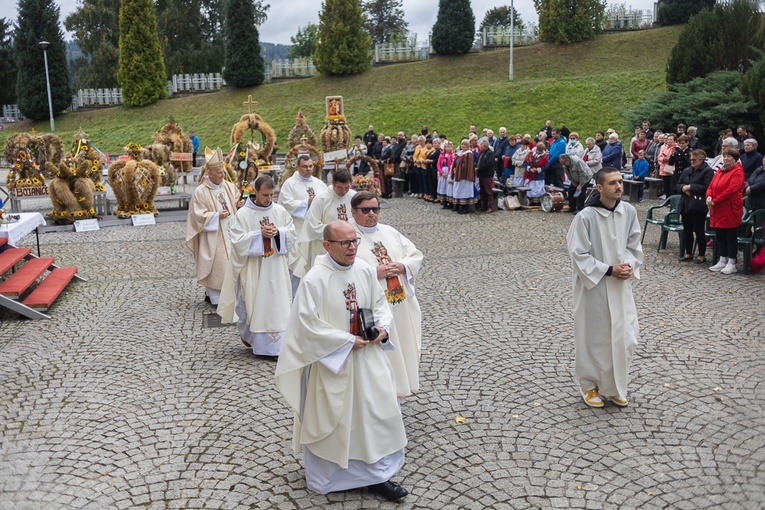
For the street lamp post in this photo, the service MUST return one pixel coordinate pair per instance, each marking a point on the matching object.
(44, 45)
(512, 36)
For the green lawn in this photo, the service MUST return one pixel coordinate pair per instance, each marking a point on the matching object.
(584, 86)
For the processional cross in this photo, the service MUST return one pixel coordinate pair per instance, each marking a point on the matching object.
(250, 103)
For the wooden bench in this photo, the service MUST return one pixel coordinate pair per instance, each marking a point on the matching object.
(654, 186)
(398, 186)
(182, 198)
(632, 190)
(498, 194)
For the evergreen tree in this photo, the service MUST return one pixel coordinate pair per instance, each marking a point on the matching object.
(500, 17)
(714, 103)
(243, 65)
(7, 65)
(95, 25)
(565, 22)
(753, 87)
(343, 46)
(304, 42)
(384, 19)
(38, 21)
(677, 12)
(727, 32)
(141, 71)
(454, 30)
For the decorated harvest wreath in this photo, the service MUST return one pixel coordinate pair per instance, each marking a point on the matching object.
(300, 131)
(246, 157)
(290, 161)
(27, 154)
(171, 136)
(134, 182)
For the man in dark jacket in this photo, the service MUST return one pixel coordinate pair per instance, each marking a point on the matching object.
(499, 150)
(485, 170)
(755, 188)
(370, 138)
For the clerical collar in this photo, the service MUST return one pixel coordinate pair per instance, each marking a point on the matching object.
(250, 204)
(367, 230)
(334, 265)
(305, 179)
(213, 185)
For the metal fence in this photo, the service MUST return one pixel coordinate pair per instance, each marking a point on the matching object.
(295, 68)
(630, 20)
(11, 112)
(497, 36)
(390, 52)
(200, 82)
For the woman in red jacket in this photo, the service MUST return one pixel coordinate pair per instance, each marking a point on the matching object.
(726, 207)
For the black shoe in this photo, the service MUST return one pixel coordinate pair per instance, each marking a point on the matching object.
(464, 209)
(246, 343)
(389, 490)
(207, 299)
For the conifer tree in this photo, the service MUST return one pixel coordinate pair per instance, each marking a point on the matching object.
(243, 65)
(728, 32)
(95, 24)
(344, 46)
(141, 71)
(7, 65)
(38, 21)
(565, 22)
(385, 18)
(677, 12)
(454, 30)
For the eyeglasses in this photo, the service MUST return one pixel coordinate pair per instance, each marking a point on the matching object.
(347, 243)
(305, 166)
(367, 210)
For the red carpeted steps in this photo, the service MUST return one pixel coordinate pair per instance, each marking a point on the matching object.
(12, 256)
(22, 279)
(49, 289)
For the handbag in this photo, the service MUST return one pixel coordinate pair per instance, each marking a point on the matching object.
(511, 203)
(390, 169)
(669, 169)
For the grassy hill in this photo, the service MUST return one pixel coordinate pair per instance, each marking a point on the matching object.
(584, 86)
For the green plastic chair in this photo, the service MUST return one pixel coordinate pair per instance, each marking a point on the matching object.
(672, 223)
(649, 219)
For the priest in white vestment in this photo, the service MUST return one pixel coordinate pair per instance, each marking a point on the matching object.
(397, 262)
(604, 244)
(341, 386)
(212, 207)
(296, 196)
(332, 204)
(257, 293)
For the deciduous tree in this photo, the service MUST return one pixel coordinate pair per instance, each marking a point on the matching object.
(501, 17)
(243, 64)
(565, 22)
(454, 30)
(344, 46)
(141, 71)
(38, 21)
(304, 42)
(95, 25)
(385, 18)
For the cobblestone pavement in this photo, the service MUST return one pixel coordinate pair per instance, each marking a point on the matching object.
(123, 399)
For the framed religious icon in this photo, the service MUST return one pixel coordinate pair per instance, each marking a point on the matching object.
(334, 106)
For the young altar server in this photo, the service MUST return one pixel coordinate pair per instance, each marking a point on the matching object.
(211, 210)
(257, 293)
(341, 387)
(604, 244)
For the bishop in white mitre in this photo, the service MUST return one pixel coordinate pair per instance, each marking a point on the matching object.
(296, 195)
(332, 204)
(256, 292)
(211, 210)
(397, 262)
(341, 387)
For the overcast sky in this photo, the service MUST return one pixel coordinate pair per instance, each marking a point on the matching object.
(285, 16)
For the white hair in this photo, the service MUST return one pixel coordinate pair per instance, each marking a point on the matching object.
(732, 142)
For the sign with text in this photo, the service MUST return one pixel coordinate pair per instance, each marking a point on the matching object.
(270, 168)
(181, 156)
(123, 157)
(164, 190)
(143, 219)
(340, 155)
(86, 225)
(30, 191)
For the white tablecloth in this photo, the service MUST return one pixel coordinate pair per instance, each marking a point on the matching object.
(17, 230)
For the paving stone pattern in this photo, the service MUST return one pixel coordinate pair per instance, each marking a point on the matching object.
(124, 400)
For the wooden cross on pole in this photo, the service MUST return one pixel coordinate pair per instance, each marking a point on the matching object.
(303, 140)
(250, 103)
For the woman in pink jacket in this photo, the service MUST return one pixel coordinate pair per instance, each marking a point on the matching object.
(443, 166)
(664, 172)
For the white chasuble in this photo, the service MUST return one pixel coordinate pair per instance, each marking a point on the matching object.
(346, 411)
(207, 236)
(605, 316)
(325, 208)
(293, 196)
(256, 290)
(382, 245)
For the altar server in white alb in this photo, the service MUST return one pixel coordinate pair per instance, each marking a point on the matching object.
(211, 210)
(257, 293)
(297, 195)
(604, 244)
(332, 204)
(397, 262)
(342, 388)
